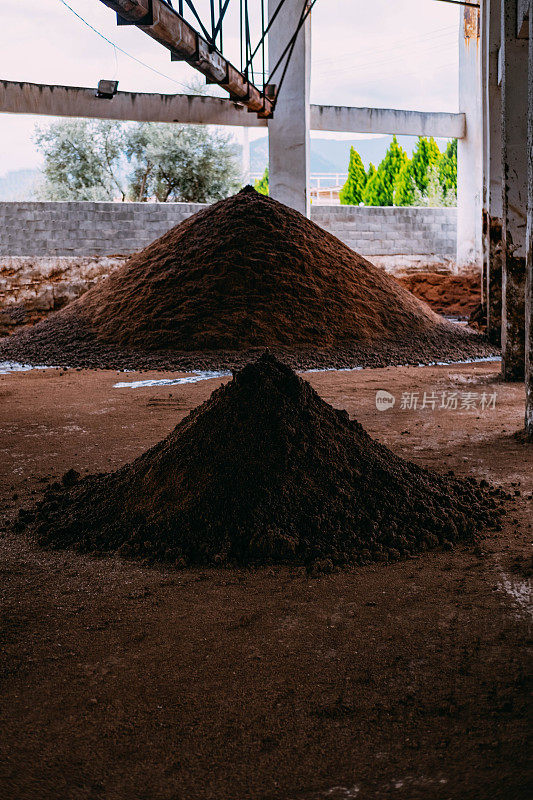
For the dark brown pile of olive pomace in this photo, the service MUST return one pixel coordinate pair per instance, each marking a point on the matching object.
(264, 472)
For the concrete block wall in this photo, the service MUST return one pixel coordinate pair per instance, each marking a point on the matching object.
(86, 229)
(90, 229)
(408, 231)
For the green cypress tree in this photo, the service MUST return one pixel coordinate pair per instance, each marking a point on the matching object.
(404, 188)
(448, 168)
(261, 184)
(414, 178)
(373, 193)
(369, 191)
(425, 156)
(380, 187)
(351, 193)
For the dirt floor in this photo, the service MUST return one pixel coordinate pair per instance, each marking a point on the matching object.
(407, 680)
(452, 295)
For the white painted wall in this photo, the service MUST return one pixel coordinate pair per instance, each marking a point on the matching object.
(470, 148)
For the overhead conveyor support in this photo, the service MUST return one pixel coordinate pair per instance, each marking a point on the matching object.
(164, 24)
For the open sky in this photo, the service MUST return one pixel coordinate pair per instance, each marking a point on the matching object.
(386, 53)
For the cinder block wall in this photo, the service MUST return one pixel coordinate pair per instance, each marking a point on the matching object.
(86, 229)
(392, 231)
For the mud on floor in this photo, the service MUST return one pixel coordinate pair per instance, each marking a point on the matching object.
(401, 681)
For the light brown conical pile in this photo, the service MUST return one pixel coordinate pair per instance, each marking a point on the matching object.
(245, 273)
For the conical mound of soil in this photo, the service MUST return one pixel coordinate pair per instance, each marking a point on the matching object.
(249, 272)
(245, 273)
(263, 472)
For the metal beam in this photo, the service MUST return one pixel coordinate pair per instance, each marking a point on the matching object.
(71, 101)
(167, 27)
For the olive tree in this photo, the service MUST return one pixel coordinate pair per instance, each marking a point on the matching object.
(103, 160)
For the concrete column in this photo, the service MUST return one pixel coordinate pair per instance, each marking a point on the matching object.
(529, 246)
(470, 148)
(245, 156)
(492, 210)
(288, 131)
(484, 30)
(514, 66)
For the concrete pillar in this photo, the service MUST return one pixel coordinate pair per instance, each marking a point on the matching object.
(514, 66)
(529, 246)
(492, 210)
(470, 148)
(288, 131)
(245, 156)
(484, 12)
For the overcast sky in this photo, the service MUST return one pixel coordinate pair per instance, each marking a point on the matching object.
(386, 53)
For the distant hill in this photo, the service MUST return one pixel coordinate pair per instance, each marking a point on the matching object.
(259, 157)
(19, 184)
(332, 155)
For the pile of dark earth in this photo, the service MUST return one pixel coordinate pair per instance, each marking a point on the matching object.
(264, 472)
(244, 274)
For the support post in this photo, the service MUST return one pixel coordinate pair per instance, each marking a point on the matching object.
(288, 131)
(514, 65)
(485, 111)
(470, 148)
(245, 156)
(529, 245)
(492, 211)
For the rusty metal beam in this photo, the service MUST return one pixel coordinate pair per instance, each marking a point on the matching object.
(167, 27)
(134, 10)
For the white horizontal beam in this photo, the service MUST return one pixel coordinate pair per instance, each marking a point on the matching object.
(387, 120)
(71, 101)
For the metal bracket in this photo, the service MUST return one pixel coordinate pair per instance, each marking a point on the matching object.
(146, 20)
(107, 89)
